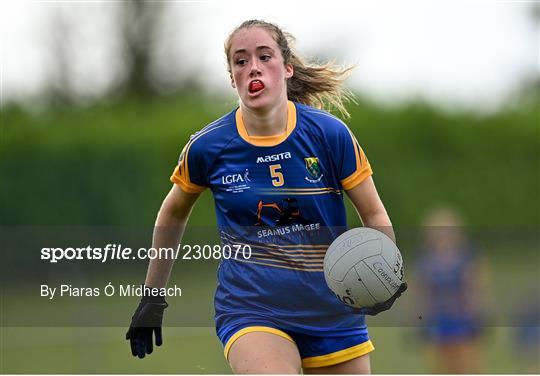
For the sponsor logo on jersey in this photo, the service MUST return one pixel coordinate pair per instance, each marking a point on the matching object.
(235, 178)
(236, 183)
(281, 218)
(274, 157)
(285, 213)
(314, 169)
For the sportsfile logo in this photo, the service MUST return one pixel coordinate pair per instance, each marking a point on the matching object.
(274, 157)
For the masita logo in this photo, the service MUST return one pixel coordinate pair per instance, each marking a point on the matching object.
(274, 157)
(236, 178)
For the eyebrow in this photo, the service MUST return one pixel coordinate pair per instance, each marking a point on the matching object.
(241, 50)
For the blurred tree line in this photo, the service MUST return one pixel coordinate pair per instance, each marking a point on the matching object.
(113, 166)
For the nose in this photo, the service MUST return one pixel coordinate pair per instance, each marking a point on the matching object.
(254, 69)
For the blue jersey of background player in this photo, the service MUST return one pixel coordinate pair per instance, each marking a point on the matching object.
(278, 171)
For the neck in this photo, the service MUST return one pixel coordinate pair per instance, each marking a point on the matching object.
(265, 123)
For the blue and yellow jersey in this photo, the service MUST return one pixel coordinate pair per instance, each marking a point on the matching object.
(283, 196)
(450, 292)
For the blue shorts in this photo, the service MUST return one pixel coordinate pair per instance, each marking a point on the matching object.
(316, 350)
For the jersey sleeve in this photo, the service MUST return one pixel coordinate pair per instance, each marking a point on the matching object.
(351, 161)
(191, 172)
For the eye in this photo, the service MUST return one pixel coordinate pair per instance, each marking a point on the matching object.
(241, 62)
(265, 57)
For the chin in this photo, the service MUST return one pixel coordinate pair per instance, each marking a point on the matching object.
(257, 103)
(260, 103)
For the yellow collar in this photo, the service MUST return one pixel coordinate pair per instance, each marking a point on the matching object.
(267, 140)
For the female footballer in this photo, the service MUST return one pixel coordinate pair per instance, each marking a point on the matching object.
(453, 276)
(278, 169)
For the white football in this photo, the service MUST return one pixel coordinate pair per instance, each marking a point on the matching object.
(363, 267)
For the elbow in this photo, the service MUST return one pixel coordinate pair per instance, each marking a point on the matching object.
(377, 218)
(172, 215)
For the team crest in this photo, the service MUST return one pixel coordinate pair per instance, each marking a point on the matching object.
(314, 169)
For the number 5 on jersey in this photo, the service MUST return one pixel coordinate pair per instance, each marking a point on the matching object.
(277, 176)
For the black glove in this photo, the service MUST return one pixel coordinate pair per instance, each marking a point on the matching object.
(146, 320)
(384, 306)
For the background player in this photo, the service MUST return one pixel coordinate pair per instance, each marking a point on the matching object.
(274, 312)
(454, 280)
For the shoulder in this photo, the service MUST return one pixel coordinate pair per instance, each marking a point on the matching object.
(214, 136)
(320, 122)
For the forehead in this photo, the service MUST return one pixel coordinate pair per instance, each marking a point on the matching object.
(251, 38)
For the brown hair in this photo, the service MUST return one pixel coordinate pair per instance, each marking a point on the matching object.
(317, 85)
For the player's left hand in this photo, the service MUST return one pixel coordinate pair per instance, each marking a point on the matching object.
(384, 306)
(146, 321)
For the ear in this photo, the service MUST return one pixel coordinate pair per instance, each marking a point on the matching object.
(232, 81)
(289, 70)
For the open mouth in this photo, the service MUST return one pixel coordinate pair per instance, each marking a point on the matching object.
(255, 86)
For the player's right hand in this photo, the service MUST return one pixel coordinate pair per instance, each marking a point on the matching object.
(145, 322)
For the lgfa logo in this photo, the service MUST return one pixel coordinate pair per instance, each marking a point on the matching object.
(236, 178)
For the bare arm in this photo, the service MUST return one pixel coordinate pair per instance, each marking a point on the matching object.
(169, 228)
(369, 206)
